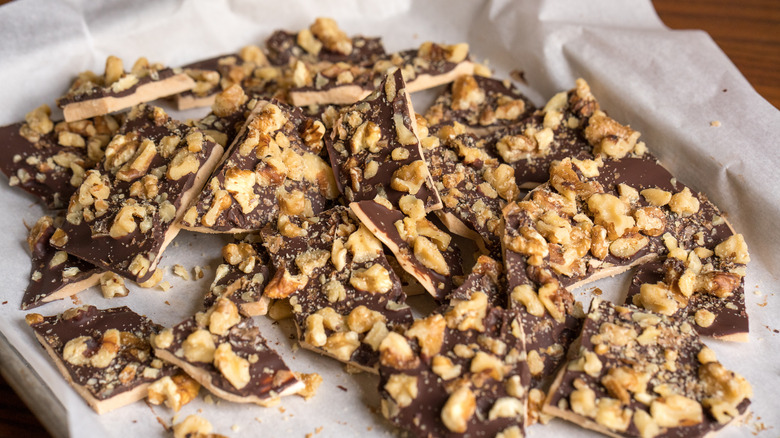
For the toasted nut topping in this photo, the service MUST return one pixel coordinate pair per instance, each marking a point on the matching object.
(657, 298)
(233, 367)
(409, 178)
(224, 316)
(74, 350)
(650, 220)
(444, 368)
(175, 392)
(676, 411)
(468, 314)
(459, 409)
(333, 38)
(491, 365)
(112, 285)
(395, 352)
(283, 284)
(466, 93)
(375, 279)
(733, 249)
(725, 391)
(610, 414)
(183, 163)
(311, 260)
(628, 246)
(610, 137)
(342, 345)
(366, 136)
(199, 347)
(611, 213)
(402, 388)
(684, 203)
(363, 245)
(657, 197)
(109, 347)
(429, 333)
(506, 407)
(583, 400)
(192, 426)
(361, 319)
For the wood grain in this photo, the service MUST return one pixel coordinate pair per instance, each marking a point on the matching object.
(748, 31)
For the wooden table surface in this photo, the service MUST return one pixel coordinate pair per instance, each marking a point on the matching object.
(747, 30)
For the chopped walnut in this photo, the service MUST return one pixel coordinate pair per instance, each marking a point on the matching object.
(233, 367)
(174, 391)
(458, 410)
(675, 410)
(224, 316)
(466, 93)
(402, 388)
(733, 249)
(409, 178)
(395, 352)
(192, 426)
(611, 213)
(429, 333)
(333, 38)
(112, 285)
(609, 137)
(684, 203)
(375, 279)
(199, 347)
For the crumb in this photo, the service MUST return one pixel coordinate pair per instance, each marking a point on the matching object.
(175, 244)
(725, 90)
(5, 302)
(757, 293)
(311, 382)
(715, 123)
(596, 291)
(518, 76)
(351, 369)
(197, 272)
(235, 428)
(295, 346)
(342, 388)
(258, 419)
(208, 399)
(164, 286)
(282, 410)
(181, 271)
(166, 302)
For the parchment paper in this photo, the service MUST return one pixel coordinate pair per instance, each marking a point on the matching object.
(667, 84)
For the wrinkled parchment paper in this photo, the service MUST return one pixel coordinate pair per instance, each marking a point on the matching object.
(667, 84)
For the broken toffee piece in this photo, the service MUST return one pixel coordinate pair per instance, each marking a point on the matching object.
(570, 125)
(273, 168)
(380, 168)
(55, 274)
(705, 286)
(480, 103)
(227, 355)
(92, 95)
(473, 186)
(638, 373)
(126, 212)
(243, 276)
(47, 158)
(344, 295)
(104, 354)
(460, 372)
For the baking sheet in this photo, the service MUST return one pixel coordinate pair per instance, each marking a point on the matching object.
(667, 84)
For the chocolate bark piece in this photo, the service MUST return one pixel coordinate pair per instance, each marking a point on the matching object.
(481, 103)
(228, 356)
(375, 150)
(380, 168)
(487, 277)
(458, 372)
(126, 212)
(218, 73)
(473, 186)
(570, 125)
(103, 353)
(639, 373)
(273, 168)
(705, 286)
(344, 295)
(92, 95)
(594, 219)
(429, 66)
(243, 276)
(48, 158)
(323, 41)
(55, 274)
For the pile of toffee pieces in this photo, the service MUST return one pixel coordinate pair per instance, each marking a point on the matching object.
(342, 200)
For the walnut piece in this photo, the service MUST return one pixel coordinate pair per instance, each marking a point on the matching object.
(233, 367)
(375, 279)
(112, 285)
(402, 388)
(409, 178)
(174, 391)
(199, 346)
(458, 410)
